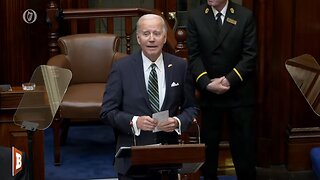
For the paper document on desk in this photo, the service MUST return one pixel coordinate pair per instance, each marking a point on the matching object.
(160, 116)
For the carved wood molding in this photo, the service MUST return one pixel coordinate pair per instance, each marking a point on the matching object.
(299, 143)
(55, 15)
(303, 134)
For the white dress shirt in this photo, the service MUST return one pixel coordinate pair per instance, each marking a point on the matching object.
(223, 12)
(161, 86)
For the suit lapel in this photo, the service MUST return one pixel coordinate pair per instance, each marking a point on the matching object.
(138, 66)
(210, 19)
(168, 70)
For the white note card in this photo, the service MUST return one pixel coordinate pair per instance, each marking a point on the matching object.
(160, 116)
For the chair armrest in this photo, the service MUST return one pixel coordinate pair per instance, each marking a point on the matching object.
(59, 61)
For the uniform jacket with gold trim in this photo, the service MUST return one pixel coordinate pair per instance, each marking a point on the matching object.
(232, 53)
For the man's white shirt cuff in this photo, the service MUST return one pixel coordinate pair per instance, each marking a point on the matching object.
(134, 125)
(178, 130)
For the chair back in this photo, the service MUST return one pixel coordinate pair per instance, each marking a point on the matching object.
(90, 56)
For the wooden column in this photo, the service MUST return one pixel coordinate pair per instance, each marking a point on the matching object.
(53, 25)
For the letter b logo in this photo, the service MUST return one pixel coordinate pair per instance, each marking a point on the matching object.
(16, 161)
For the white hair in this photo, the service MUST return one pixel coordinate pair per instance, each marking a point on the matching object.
(152, 16)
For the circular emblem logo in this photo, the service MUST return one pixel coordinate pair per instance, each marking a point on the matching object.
(29, 16)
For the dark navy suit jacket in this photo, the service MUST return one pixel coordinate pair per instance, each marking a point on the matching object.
(126, 96)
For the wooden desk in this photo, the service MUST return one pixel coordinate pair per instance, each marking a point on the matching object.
(13, 135)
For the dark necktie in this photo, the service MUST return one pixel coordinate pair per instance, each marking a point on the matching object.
(219, 20)
(153, 88)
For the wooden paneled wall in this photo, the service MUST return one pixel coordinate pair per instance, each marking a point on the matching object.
(22, 46)
(286, 127)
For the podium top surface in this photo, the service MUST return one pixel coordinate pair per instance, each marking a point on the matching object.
(166, 154)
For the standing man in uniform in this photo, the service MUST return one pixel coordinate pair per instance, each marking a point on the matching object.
(222, 55)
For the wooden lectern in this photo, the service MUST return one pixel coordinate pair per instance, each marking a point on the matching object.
(180, 158)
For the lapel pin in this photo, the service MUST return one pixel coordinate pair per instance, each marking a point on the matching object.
(231, 10)
(232, 21)
(206, 11)
(169, 65)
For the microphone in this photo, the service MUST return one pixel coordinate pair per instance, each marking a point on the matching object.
(194, 139)
(134, 133)
(198, 128)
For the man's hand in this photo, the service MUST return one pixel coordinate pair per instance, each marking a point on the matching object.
(168, 125)
(218, 85)
(225, 82)
(146, 123)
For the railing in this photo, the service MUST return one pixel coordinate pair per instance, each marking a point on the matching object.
(79, 20)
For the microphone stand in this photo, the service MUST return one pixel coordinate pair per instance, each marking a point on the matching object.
(198, 128)
(31, 127)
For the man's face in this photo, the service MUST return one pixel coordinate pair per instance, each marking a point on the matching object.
(217, 4)
(151, 37)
